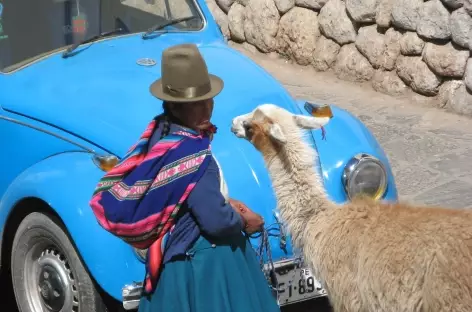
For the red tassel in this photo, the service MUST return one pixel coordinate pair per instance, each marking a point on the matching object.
(213, 129)
(209, 129)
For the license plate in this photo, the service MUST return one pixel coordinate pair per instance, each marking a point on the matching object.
(297, 284)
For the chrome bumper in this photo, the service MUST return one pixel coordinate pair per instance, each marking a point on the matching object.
(131, 295)
(292, 262)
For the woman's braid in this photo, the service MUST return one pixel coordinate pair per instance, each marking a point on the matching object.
(165, 119)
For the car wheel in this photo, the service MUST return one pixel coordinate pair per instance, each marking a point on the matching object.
(47, 273)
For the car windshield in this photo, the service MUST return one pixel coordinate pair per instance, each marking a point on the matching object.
(31, 29)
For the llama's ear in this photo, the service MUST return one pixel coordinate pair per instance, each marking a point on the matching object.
(308, 122)
(276, 134)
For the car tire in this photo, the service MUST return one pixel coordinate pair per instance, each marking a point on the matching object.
(47, 273)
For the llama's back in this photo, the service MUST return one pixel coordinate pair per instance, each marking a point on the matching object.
(416, 259)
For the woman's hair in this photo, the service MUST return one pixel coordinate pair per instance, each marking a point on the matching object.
(165, 118)
(166, 108)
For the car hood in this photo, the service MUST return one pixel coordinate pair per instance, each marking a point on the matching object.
(102, 95)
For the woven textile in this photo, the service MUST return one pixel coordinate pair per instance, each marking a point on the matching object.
(140, 197)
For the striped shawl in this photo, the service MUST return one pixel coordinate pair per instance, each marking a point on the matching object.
(140, 197)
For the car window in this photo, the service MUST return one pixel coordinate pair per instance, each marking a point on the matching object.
(30, 29)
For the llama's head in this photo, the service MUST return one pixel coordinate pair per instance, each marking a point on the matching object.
(269, 127)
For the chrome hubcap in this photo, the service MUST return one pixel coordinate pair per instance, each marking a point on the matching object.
(49, 282)
(51, 288)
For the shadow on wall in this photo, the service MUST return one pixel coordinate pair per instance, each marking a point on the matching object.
(395, 44)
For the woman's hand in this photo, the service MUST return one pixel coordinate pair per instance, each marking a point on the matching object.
(253, 221)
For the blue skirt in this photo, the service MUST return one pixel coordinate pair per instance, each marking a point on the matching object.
(220, 276)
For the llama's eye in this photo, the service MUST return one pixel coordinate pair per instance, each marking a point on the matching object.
(247, 126)
(248, 130)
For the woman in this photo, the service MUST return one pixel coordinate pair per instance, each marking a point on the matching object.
(198, 258)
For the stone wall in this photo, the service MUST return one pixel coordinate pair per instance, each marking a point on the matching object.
(397, 45)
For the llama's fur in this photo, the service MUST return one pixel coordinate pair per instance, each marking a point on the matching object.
(370, 256)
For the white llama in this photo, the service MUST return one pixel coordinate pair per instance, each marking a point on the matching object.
(370, 256)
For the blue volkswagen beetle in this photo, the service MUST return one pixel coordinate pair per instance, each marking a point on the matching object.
(74, 95)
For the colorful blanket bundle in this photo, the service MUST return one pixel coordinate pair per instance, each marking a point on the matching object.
(140, 197)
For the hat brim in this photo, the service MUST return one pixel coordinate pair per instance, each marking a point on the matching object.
(216, 87)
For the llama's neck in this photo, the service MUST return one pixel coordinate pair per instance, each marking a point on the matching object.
(297, 185)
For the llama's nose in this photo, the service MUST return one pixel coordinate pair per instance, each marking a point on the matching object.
(233, 126)
(235, 122)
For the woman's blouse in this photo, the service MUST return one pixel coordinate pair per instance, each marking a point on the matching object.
(205, 209)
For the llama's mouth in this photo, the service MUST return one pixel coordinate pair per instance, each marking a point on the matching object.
(240, 133)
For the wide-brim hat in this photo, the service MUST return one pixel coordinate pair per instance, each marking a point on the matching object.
(184, 76)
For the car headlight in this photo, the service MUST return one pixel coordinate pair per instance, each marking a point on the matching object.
(365, 174)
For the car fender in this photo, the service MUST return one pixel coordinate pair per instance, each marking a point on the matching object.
(345, 137)
(66, 182)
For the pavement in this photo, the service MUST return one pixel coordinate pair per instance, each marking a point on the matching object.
(429, 149)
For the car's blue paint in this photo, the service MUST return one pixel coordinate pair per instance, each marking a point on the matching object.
(101, 96)
(345, 137)
(23, 142)
(95, 87)
(21, 156)
(65, 181)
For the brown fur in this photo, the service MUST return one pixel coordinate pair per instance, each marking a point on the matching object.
(370, 256)
(256, 135)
